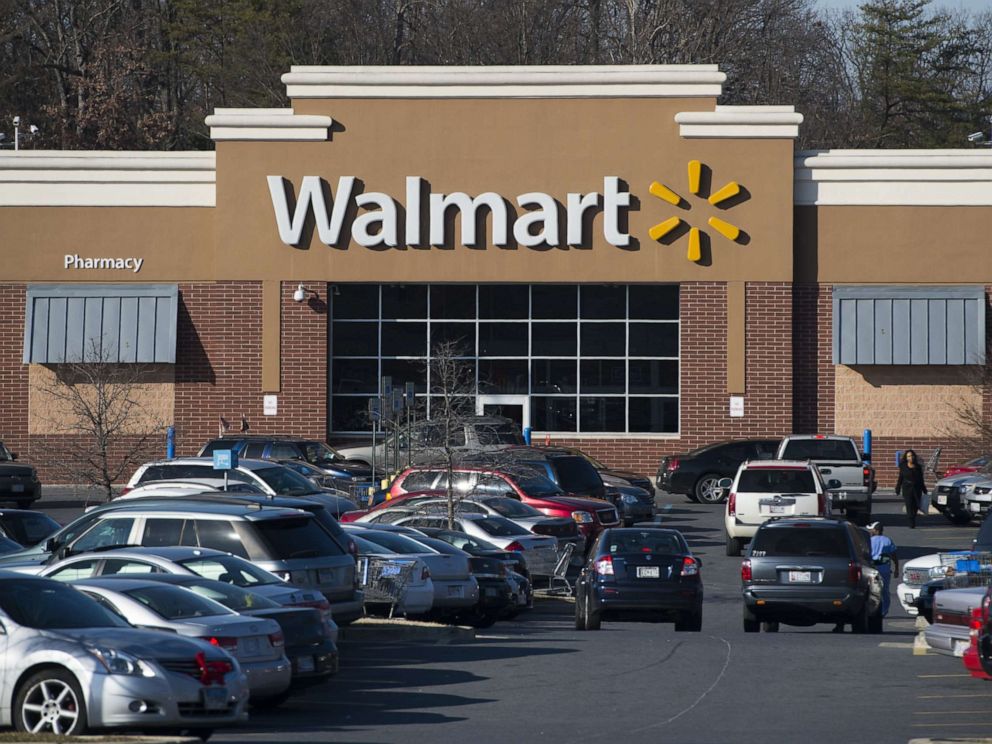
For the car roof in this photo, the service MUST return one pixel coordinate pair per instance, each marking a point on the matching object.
(819, 436)
(777, 464)
(777, 523)
(183, 505)
(170, 554)
(244, 463)
(117, 584)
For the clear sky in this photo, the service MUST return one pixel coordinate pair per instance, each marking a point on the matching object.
(974, 5)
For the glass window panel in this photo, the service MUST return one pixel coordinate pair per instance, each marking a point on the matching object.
(503, 376)
(657, 415)
(461, 334)
(654, 302)
(553, 301)
(404, 339)
(404, 301)
(554, 339)
(603, 339)
(501, 301)
(502, 339)
(602, 414)
(350, 413)
(653, 376)
(552, 414)
(654, 339)
(460, 406)
(355, 376)
(603, 376)
(553, 376)
(453, 301)
(355, 301)
(354, 339)
(406, 370)
(604, 302)
(461, 378)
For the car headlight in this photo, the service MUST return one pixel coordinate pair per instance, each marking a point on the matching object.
(582, 517)
(966, 487)
(629, 498)
(938, 572)
(121, 662)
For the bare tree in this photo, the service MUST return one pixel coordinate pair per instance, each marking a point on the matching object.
(99, 409)
(970, 430)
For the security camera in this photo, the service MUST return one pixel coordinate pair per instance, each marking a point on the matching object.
(17, 121)
(300, 294)
(976, 137)
(33, 129)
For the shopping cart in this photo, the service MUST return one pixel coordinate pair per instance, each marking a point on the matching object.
(384, 580)
(561, 571)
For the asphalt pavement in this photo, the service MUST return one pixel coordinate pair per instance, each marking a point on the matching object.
(538, 679)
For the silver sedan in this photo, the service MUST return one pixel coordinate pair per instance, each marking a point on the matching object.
(258, 644)
(95, 671)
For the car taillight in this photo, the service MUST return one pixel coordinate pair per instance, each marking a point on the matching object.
(866, 473)
(746, 570)
(514, 546)
(228, 644)
(604, 566)
(689, 566)
(212, 671)
(853, 573)
(673, 464)
(277, 639)
(975, 626)
(732, 504)
(318, 604)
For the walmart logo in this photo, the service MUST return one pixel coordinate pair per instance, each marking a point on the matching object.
(721, 196)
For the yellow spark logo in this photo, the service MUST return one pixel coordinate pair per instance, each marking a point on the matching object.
(726, 229)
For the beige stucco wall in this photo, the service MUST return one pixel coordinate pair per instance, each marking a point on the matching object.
(902, 401)
(155, 399)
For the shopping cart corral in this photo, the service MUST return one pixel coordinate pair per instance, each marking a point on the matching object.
(963, 570)
(385, 582)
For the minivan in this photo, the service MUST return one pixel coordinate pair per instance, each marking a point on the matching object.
(288, 542)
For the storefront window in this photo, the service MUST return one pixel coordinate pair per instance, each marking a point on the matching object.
(591, 359)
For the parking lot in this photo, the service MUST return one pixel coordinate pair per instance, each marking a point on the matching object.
(537, 677)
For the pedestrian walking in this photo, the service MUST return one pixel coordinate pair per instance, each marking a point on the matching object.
(910, 484)
(883, 553)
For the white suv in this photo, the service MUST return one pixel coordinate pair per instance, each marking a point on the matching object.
(769, 489)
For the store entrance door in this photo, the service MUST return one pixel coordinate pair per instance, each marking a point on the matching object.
(514, 407)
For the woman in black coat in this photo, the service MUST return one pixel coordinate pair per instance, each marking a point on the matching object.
(910, 484)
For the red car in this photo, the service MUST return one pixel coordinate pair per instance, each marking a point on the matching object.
(391, 500)
(591, 515)
(972, 466)
(971, 659)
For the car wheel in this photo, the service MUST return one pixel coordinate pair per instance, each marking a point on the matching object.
(958, 517)
(593, 617)
(770, 627)
(50, 701)
(707, 491)
(875, 623)
(859, 622)
(580, 613)
(751, 624)
(691, 622)
(734, 545)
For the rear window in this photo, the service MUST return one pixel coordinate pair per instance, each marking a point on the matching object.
(820, 449)
(29, 528)
(230, 570)
(800, 541)
(219, 444)
(643, 541)
(233, 597)
(175, 603)
(756, 480)
(576, 474)
(397, 543)
(284, 481)
(511, 508)
(504, 434)
(420, 480)
(296, 537)
(499, 527)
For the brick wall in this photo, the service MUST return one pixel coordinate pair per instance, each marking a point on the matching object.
(13, 372)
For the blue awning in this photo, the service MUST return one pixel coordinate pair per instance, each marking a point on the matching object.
(909, 325)
(100, 323)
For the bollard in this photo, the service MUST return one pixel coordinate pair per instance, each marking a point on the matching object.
(527, 433)
(170, 443)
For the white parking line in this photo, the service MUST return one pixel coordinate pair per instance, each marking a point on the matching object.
(935, 676)
(962, 695)
(893, 644)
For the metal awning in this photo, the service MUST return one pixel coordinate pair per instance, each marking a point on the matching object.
(909, 325)
(100, 323)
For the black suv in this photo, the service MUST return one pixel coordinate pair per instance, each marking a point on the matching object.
(18, 483)
(342, 474)
(808, 571)
(697, 474)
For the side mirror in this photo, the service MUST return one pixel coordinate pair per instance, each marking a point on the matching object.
(834, 483)
(51, 545)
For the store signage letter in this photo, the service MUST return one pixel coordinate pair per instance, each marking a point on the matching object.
(537, 224)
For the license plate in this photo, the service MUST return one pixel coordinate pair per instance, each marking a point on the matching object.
(327, 575)
(942, 499)
(214, 698)
(776, 509)
(800, 577)
(454, 591)
(304, 664)
(17, 488)
(249, 646)
(648, 572)
(909, 598)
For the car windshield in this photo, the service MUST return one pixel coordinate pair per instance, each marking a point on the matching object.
(50, 605)
(808, 541)
(5, 455)
(643, 541)
(820, 449)
(296, 537)
(397, 543)
(538, 486)
(284, 481)
(771, 480)
(176, 603)
(318, 452)
(231, 570)
(511, 508)
(367, 547)
(499, 527)
(9, 546)
(978, 462)
(233, 597)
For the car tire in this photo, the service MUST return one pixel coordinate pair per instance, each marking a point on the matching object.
(689, 622)
(958, 518)
(770, 626)
(580, 613)
(751, 624)
(734, 545)
(859, 622)
(706, 491)
(594, 618)
(24, 503)
(48, 686)
(875, 623)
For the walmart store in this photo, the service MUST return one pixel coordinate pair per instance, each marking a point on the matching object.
(626, 264)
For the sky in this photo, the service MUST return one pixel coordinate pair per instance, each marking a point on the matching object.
(973, 5)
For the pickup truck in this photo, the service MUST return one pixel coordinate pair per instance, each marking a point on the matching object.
(850, 480)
